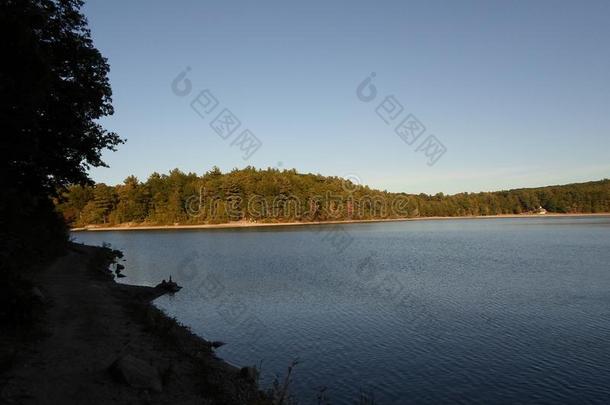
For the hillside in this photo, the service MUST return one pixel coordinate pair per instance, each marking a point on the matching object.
(270, 195)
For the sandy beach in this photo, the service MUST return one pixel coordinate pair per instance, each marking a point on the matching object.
(245, 224)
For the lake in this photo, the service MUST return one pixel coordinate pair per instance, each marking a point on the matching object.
(477, 311)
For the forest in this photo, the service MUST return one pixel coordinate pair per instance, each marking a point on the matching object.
(271, 195)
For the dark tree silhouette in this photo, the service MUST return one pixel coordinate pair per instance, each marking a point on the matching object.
(53, 89)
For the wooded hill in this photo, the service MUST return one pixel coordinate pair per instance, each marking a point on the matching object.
(271, 195)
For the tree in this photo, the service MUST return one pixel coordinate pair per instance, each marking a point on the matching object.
(53, 88)
(271, 195)
(73, 202)
(133, 201)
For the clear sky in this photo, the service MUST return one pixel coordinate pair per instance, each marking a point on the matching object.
(517, 91)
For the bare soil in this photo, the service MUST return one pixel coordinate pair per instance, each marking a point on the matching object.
(87, 323)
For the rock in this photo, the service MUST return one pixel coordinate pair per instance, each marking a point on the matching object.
(37, 294)
(168, 286)
(119, 267)
(249, 373)
(136, 373)
(216, 344)
(119, 275)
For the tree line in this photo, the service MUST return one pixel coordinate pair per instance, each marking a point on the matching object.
(271, 195)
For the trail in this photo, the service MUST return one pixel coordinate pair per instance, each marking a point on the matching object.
(91, 321)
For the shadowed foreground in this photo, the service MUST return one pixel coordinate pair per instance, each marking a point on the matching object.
(89, 323)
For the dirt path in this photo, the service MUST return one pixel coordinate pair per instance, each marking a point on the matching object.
(91, 321)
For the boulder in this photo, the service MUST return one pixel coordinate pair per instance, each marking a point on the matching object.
(38, 295)
(136, 373)
(249, 373)
(168, 286)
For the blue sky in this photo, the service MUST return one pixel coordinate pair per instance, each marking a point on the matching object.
(517, 92)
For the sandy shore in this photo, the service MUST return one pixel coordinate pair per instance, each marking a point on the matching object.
(89, 321)
(244, 224)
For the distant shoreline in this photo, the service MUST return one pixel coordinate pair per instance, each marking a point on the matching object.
(244, 224)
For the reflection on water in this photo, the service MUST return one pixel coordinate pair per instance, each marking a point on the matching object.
(491, 310)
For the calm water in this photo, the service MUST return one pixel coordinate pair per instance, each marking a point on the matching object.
(494, 310)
